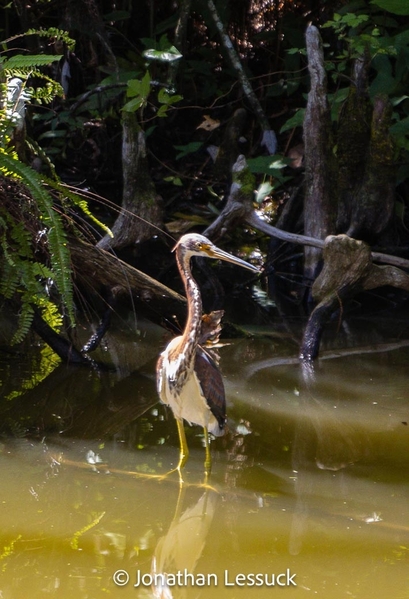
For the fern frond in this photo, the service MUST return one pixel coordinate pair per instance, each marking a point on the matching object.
(29, 61)
(50, 314)
(57, 241)
(24, 323)
(10, 279)
(22, 239)
(61, 265)
(53, 32)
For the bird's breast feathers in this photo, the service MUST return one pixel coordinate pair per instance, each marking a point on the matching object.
(180, 389)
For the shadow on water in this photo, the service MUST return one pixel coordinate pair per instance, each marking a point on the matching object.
(308, 493)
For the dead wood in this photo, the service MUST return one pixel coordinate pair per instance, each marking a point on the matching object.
(320, 191)
(95, 268)
(239, 203)
(103, 274)
(348, 269)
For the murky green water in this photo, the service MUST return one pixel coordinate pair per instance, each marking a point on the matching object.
(309, 489)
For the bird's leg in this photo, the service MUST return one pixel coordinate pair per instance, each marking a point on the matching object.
(208, 458)
(184, 450)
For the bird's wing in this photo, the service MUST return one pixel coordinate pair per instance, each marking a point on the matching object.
(211, 328)
(211, 382)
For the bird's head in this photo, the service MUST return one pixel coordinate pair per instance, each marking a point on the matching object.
(194, 244)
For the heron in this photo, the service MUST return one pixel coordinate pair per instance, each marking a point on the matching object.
(188, 379)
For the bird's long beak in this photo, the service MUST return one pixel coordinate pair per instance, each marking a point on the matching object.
(215, 252)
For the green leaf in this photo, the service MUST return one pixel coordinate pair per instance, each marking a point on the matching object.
(295, 121)
(165, 98)
(175, 180)
(271, 166)
(397, 7)
(117, 15)
(134, 88)
(133, 104)
(163, 111)
(146, 85)
(189, 148)
(20, 61)
(263, 191)
(169, 55)
(268, 165)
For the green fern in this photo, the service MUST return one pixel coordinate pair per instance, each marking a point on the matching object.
(26, 62)
(10, 279)
(24, 323)
(57, 241)
(51, 33)
(54, 33)
(22, 276)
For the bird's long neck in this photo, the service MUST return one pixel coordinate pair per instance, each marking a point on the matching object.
(193, 325)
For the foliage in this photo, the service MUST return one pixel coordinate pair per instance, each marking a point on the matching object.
(139, 76)
(140, 89)
(21, 272)
(360, 30)
(398, 7)
(25, 274)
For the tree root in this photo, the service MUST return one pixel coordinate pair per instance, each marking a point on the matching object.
(348, 269)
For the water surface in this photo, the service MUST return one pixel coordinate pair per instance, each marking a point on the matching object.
(311, 482)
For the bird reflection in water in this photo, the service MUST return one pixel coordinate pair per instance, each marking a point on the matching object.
(182, 546)
(188, 378)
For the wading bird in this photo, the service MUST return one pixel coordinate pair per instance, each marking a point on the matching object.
(188, 379)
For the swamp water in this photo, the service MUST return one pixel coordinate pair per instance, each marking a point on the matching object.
(308, 496)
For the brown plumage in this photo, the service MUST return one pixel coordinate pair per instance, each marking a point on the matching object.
(188, 378)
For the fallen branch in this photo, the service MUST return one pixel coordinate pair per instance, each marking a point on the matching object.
(255, 221)
(96, 268)
(239, 202)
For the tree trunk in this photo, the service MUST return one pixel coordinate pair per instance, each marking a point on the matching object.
(374, 200)
(141, 213)
(320, 168)
(354, 133)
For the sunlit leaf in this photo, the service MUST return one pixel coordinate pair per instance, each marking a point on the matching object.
(168, 55)
(263, 191)
(164, 97)
(268, 165)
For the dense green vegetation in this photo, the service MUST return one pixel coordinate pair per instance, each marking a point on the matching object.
(165, 77)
